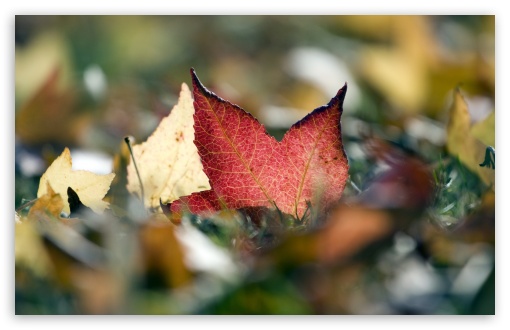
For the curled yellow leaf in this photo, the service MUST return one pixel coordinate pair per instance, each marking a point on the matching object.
(90, 187)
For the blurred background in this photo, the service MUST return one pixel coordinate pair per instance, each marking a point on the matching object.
(86, 82)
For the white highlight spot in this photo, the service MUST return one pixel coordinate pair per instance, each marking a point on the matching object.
(92, 161)
(95, 81)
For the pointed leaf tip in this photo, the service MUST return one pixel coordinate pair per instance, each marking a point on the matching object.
(193, 73)
(340, 95)
(197, 83)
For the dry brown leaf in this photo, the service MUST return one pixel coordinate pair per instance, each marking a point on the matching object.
(168, 161)
(90, 187)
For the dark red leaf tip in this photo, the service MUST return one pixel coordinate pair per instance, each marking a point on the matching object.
(201, 87)
(196, 81)
(341, 93)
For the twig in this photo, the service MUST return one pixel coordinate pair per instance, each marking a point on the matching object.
(26, 204)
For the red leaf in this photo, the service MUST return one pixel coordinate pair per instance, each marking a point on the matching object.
(248, 167)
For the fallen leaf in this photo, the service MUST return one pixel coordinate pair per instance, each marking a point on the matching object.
(248, 167)
(90, 187)
(463, 144)
(168, 163)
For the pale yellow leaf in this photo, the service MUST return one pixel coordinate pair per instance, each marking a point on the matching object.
(168, 161)
(90, 187)
(461, 143)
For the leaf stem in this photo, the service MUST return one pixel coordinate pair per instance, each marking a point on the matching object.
(126, 139)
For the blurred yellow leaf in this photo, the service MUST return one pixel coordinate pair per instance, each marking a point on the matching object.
(29, 250)
(414, 68)
(399, 77)
(485, 130)
(90, 187)
(168, 162)
(401, 70)
(463, 144)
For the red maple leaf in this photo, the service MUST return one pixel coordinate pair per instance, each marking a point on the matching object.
(247, 167)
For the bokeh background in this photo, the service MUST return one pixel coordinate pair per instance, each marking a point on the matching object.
(86, 82)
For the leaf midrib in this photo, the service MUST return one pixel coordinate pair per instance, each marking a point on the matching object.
(270, 200)
(300, 189)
